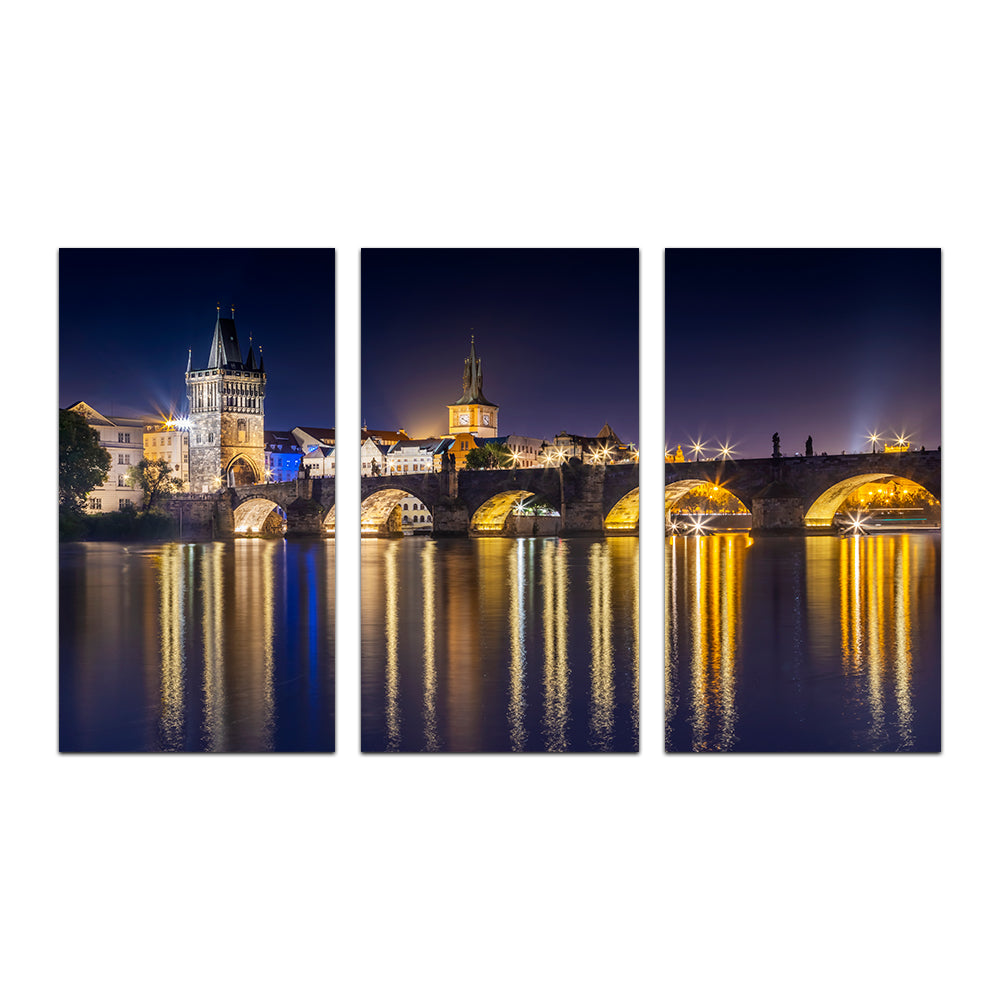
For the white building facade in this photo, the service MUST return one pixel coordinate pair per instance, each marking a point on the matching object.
(122, 437)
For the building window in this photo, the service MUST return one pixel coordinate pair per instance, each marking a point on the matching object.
(241, 431)
(123, 438)
(124, 504)
(94, 503)
(121, 480)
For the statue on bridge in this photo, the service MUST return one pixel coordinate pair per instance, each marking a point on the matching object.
(776, 441)
(809, 446)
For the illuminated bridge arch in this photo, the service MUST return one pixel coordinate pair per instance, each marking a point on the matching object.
(259, 516)
(821, 511)
(674, 493)
(623, 518)
(242, 471)
(490, 517)
(330, 521)
(377, 509)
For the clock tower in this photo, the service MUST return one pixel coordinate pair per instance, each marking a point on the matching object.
(473, 413)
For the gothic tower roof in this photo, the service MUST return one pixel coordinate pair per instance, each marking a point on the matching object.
(472, 380)
(225, 345)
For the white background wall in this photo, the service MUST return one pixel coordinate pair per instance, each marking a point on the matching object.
(527, 124)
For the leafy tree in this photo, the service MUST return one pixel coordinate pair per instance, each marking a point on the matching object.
(490, 456)
(83, 463)
(155, 478)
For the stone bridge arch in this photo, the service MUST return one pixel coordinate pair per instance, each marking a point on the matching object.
(378, 508)
(677, 489)
(623, 517)
(259, 515)
(820, 512)
(492, 517)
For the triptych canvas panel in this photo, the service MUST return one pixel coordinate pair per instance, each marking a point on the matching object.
(498, 502)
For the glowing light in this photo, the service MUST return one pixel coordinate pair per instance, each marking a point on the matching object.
(700, 525)
(856, 524)
(697, 447)
(725, 451)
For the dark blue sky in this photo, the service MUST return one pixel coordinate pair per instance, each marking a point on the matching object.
(557, 331)
(828, 343)
(128, 317)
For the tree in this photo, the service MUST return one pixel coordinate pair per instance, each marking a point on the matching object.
(155, 478)
(83, 463)
(490, 456)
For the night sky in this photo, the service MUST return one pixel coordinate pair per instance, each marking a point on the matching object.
(830, 343)
(557, 332)
(128, 317)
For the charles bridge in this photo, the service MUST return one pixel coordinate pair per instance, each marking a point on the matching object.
(783, 495)
(801, 492)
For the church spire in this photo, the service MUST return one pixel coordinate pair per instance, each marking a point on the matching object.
(189, 359)
(472, 378)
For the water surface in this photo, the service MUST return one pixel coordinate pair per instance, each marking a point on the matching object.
(499, 644)
(208, 646)
(803, 644)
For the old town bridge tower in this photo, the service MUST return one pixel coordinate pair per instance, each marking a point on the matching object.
(226, 411)
(473, 413)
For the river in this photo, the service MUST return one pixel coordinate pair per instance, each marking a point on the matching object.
(499, 644)
(803, 644)
(215, 646)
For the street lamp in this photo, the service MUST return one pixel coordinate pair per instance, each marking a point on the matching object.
(873, 437)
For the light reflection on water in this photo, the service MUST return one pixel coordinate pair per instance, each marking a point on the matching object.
(826, 644)
(197, 647)
(499, 644)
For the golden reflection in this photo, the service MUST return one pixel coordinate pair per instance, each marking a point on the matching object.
(670, 640)
(171, 650)
(516, 585)
(635, 646)
(267, 644)
(555, 683)
(699, 681)
(251, 727)
(727, 645)
(878, 577)
(873, 587)
(392, 714)
(714, 600)
(601, 666)
(430, 670)
(214, 728)
(903, 660)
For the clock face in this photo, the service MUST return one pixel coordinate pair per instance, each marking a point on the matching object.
(486, 419)
(463, 418)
